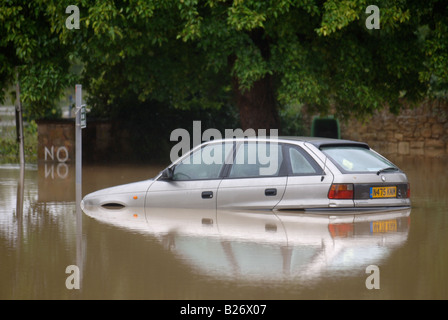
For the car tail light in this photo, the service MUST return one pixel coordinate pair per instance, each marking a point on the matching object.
(341, 191)
(408, 192)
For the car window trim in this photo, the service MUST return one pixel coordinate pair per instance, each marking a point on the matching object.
(225, 170)
(282, 170)
(319, 170)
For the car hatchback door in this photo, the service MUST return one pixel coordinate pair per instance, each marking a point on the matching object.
(378, 181)
(256, 178)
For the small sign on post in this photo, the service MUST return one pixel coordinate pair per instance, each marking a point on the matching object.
(83, 117)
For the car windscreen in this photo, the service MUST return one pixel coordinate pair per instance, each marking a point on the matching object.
(356, 159)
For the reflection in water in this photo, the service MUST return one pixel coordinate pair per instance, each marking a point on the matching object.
(20, 198)
(35, 237)
(266, 245)
(79, 237)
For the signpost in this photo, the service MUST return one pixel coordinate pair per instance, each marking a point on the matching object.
(80, 123)
(78, 133)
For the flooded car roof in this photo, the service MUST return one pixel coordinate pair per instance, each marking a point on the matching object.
(322, 141)
(319, 142)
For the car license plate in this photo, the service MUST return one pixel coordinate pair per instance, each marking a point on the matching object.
(383, 226)
(383, 192)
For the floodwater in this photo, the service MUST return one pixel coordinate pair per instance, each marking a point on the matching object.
(50, 249)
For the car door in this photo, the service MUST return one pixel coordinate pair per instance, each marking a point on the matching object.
(308, 182)
(256, 178)
(195, 180)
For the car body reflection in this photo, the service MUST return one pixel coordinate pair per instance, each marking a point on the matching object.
(268, 245)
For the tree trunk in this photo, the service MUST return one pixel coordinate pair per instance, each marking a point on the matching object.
(257, 106)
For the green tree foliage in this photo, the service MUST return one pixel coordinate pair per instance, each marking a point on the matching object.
(261, 55)
(30, 48)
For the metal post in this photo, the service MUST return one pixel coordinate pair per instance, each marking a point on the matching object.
(78, 147)
(78, 135)
(78, 160)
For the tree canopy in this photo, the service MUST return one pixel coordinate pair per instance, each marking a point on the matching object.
(29, 47)
(257, 55)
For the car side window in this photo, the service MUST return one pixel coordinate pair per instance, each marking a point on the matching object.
(257, 160)
(205, 163)
(302, 164)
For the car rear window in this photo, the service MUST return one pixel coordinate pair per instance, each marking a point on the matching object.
(356, 159)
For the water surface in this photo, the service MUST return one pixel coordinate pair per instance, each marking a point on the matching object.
(197, 254)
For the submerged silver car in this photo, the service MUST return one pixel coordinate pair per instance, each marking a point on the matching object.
(280, 173)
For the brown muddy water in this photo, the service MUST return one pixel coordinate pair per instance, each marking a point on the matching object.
(48, 247)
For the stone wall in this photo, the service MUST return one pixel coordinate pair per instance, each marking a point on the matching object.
(418, 131)
(415, 131)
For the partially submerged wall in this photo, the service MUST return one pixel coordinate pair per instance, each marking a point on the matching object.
(56, 141)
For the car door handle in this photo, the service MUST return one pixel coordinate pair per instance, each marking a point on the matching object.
(207, 194)
(270, 192)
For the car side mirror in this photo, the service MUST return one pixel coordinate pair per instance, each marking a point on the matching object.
(167, 174)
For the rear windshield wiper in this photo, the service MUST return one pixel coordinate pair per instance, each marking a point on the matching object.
(387, 169)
